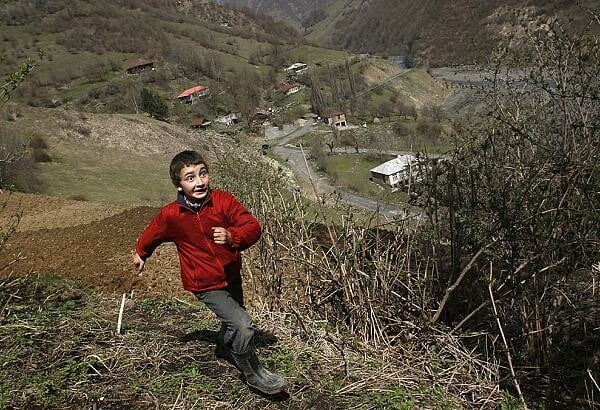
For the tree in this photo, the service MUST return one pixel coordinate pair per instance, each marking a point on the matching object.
(153, 104)
(520, 206)
(132, 91)
(330, 144)
(14, 79)
(244, 89)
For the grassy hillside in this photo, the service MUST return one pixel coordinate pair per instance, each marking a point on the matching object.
(60, 346)
(88, 45)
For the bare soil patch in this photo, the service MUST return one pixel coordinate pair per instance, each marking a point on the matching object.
(91, 242)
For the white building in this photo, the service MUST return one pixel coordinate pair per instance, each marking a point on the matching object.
(230, 119)
(191, 95)
(297, 69)
(394, 172)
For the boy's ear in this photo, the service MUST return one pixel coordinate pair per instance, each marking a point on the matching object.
(179, 188)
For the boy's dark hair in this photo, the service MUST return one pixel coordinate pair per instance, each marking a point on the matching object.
(184, 159)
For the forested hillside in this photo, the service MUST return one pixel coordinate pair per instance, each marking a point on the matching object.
(436, 33)
(296, 13)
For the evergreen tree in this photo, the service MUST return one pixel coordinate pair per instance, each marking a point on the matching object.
(153, 104)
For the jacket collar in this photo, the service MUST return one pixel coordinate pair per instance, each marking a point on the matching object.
(181, 201)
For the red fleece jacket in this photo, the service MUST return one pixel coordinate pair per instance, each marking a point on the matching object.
(204, 264)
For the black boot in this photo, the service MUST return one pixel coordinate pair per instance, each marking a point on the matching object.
(222, 351)
(256, 375)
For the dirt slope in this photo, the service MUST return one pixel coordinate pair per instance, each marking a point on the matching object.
(87, 241)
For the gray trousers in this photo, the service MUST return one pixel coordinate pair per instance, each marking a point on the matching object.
(236, 325)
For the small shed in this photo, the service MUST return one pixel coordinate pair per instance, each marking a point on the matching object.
(140, 66)
(261, 116)
(290, 88)
(394, 172)
(200, 122)
(191, 95)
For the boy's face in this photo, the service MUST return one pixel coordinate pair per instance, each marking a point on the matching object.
(193, 182)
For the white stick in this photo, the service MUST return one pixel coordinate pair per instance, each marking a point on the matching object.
(121, 314)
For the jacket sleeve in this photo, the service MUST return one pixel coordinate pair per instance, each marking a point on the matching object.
(154, 234)
(244, 228)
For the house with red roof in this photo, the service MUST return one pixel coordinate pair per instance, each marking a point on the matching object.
(191, 95)
(290, 88)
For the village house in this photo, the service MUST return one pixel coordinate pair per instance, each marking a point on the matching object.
(200, 122)
(335, 118)
(229, 119)
(261, 116)
(297, 69)
(394, 172)
(191, 95)
(290, 88)
(140, 66)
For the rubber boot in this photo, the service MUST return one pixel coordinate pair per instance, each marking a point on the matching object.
(256, 375)
(222, 351)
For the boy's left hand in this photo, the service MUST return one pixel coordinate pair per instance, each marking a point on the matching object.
(221, 236)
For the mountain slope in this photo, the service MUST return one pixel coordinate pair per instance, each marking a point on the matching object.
(88, 44)
(293, 13)
(438, 32)
(441, 32)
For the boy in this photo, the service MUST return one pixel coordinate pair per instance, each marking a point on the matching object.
(210, 228)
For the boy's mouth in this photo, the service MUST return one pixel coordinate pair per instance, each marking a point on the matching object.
(200, 191)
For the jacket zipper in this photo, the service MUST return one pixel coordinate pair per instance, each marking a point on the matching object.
(209, 243)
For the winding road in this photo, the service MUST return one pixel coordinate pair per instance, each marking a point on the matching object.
(295, 159)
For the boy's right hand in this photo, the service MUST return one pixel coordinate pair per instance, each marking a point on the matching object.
(138, 263)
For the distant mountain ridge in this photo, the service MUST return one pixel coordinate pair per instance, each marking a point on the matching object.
(436, 33)
(292, 12)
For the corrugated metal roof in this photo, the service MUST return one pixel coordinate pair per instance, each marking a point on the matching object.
(395, 165)
(192, 90)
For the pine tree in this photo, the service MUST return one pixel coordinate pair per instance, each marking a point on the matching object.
(153, 104)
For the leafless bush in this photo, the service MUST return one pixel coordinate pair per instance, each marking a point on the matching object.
(518, 204)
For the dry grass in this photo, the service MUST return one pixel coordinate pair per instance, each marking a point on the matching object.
(61, 350)
(357, 290)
